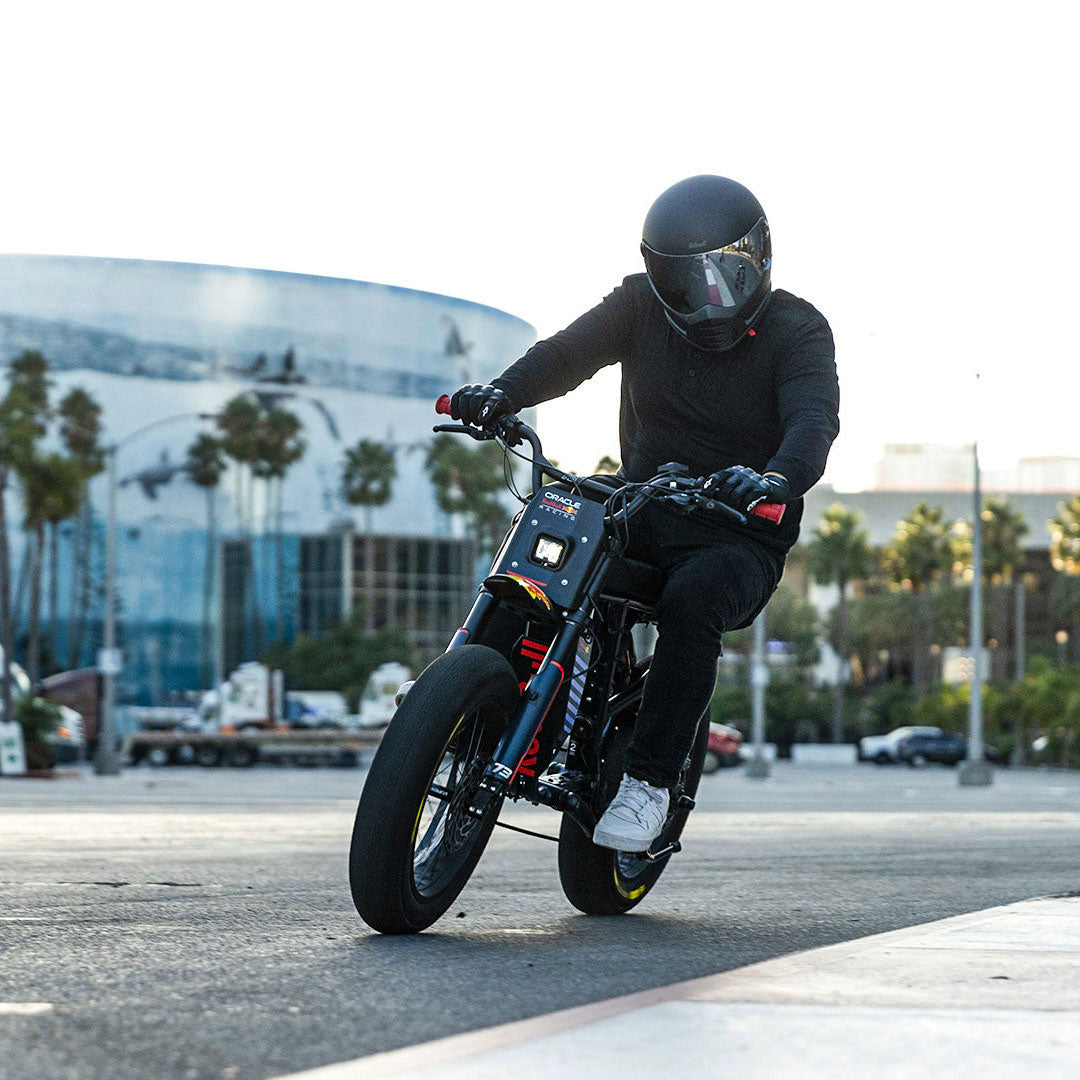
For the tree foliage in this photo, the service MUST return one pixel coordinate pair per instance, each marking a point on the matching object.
(342, 660)
(468, 481)
(205, 462)
(1065, 537)
(368, 473)
(921, 552)
(278, 443)
(840, 550)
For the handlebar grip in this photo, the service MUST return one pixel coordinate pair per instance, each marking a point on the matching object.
(442, 405)
(773, 512)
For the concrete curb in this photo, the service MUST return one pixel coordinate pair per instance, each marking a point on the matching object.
(994, 989)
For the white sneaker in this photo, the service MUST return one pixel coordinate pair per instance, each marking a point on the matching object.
(634, 818)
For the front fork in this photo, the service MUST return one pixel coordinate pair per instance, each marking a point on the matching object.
(520, 738)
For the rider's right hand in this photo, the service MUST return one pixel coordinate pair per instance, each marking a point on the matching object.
(479, 404)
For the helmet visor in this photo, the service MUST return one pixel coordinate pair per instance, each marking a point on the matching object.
(723, 279)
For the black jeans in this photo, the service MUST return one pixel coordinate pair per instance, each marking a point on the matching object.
(716, 580)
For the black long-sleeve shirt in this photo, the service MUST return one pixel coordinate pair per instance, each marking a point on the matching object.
(771, 402)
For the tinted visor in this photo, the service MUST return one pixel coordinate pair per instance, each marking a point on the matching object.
(724, 278)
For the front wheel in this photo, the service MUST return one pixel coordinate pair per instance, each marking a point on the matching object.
(599, 881)
(414, 844)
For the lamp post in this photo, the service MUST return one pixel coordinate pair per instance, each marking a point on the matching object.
(757, 768)
(976, 771)
(106, 760)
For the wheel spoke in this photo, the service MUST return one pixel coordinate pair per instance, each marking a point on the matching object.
(444, 836)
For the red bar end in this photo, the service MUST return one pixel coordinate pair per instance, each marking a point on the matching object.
(773, 512)
(443, 404)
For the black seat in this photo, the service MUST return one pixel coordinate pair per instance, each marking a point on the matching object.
(632, 579)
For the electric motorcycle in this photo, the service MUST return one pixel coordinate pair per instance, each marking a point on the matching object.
(535, 698)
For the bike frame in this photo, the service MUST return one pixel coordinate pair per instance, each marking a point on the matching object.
(572, 516)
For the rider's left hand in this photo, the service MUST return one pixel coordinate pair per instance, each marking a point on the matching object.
(742, 488)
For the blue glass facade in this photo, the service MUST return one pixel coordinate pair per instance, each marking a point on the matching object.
(154, 340)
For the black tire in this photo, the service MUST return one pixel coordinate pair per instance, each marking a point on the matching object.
(711, 763)
(207, 755)
(457, 709)
(242, 757)
(599, 881)
(882, 757)
(158, 757)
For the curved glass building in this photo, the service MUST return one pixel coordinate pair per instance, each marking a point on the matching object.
(155, 340)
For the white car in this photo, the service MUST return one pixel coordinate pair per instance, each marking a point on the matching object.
(882, 749)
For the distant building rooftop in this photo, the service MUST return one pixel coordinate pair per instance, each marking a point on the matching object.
(920, 467)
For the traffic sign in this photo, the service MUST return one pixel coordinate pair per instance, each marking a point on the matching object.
(110, 661)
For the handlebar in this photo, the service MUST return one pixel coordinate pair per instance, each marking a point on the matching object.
(773, 512)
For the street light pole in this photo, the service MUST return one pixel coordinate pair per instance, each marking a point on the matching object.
(757, 768)
(106, 760)
(975, 771)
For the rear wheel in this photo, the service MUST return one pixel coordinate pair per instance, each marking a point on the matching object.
(414, 845)
(599, 881)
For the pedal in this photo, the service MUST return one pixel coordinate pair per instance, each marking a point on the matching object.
(685, 802)
(664, 852)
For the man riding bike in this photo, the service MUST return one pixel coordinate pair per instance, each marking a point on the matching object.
(734, 380)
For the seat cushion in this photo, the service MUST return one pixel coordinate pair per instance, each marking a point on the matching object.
(634, 580)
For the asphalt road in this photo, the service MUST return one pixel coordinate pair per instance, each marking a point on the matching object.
(197, 923)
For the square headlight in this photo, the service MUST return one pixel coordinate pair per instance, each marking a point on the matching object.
(548, 551)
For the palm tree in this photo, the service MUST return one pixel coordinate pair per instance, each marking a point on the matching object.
(1064, 529)
(1065, 537)
(52, 491)
(840, 554)
(23, 413)
(80, 431)
(367, 476)
(466, 482)
(204, 466)
(921, 555)
(1004, 529)
(280, 446)
(239, 422)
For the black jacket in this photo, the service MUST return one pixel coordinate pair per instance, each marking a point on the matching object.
(771, 402)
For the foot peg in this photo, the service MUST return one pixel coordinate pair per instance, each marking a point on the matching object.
(685, 802)
(664, 852)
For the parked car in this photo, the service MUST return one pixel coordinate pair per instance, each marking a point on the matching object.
(882, 749)
(723, 748)
(945, 748)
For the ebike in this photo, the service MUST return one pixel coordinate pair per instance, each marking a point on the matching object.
(535, 698)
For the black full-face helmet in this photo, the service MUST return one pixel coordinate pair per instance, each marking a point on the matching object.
(709, 259)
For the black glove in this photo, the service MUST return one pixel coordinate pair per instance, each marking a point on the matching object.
(742, 488)
(478, 404)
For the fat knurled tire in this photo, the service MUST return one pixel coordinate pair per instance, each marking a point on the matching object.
(461, 683)
(590, 875)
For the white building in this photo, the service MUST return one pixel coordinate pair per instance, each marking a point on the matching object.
(153, 340)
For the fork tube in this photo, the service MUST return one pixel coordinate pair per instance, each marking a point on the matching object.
(518, 743)
(476, 617)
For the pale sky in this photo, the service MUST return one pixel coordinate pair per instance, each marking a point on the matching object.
(917, 163)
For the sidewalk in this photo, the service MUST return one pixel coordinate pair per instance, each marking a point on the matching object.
(995, 993)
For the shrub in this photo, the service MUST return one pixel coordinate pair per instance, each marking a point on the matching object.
(37, 717)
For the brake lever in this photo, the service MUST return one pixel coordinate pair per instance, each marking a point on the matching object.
(713, 506)
(464, 429)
